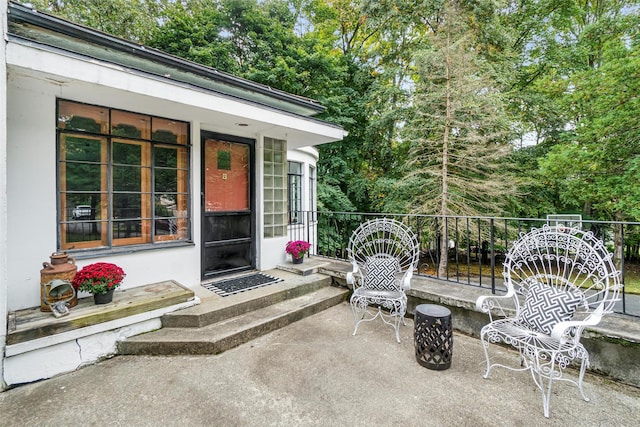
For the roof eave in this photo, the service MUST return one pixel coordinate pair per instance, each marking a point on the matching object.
(31, 16)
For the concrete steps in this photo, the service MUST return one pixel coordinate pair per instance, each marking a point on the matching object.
(224, 323)
(219, 308)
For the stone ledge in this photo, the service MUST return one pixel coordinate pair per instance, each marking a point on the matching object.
(30, 324)
(310, 265)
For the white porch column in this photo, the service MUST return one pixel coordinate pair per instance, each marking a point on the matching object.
(3, 189)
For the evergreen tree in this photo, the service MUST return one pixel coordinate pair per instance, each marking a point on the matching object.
(459, 128)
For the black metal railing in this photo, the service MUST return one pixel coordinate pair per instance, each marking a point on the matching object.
(475, 245)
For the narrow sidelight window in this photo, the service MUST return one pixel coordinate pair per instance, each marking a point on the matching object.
(294, 186)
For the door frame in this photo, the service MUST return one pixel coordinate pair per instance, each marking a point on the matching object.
(251, 143)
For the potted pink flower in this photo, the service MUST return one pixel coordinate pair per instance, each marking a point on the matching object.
(297, 249)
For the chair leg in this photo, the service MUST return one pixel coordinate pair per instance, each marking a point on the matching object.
(396, 325)
(485, 347)
(360, 311)
(539, 378)
(397, 314)
(358, 308)
(400, 309)
(584, 364)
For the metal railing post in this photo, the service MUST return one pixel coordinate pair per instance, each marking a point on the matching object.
(493, 258)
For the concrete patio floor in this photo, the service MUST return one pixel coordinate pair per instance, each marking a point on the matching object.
(313, 373)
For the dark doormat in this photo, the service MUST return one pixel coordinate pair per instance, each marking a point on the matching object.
(240, 284)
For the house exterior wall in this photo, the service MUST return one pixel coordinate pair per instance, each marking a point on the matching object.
(32, 78)
(32, 190)
(3, 190)
(37, 78)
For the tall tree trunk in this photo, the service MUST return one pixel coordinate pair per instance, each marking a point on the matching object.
(618, 242)
(444, 243)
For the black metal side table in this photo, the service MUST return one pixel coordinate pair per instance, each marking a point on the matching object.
(433, 336)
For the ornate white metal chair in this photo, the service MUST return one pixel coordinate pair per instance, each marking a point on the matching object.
(560, 281)
(383, 253)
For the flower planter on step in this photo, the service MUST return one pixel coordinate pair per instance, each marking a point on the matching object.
(103, 298)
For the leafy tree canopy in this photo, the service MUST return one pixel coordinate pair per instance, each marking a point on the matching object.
(560, 74)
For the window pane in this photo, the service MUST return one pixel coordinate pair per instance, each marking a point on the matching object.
(82, 206)
(83, 177)
(81, 117)
(165, 157)
(127, 206)
(85, 231)
(312, 192)
(81, 149)
(127, 229)
(127, 178)
(166, 180)
(127, 154)
(165, 205)
(295, 167)
(173, 131)
(166, 226)
(130, 125)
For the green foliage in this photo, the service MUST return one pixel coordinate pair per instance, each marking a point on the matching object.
(561, 73)
(598, 167)
(536, 192)
(251, 39)
(331, 199)
(195, 30)
(130, 19)
(459, 129)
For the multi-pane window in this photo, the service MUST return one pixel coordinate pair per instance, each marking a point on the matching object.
(122, 177)
(294, 191)
(275, 192)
